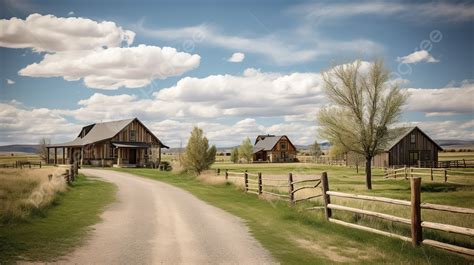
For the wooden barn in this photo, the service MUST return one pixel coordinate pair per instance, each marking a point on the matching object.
(116, 143)
(271, 148)
(412, 148)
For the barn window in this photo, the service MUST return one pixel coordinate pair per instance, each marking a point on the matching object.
(412, 138)
(283, 146)
(133, 136)
(112, 152)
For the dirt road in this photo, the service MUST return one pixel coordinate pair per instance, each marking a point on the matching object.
(156, 223)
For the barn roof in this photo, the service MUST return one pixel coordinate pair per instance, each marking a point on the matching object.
(99, 132)
(267, 143)
(404, 131)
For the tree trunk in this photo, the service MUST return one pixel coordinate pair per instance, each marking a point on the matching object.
(368, 173)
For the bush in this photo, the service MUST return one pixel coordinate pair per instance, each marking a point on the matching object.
(198, 156)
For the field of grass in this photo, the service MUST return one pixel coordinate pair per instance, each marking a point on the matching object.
(294, 236)
(28, 192)
(8, 158)
(443, 156)
(59, 229)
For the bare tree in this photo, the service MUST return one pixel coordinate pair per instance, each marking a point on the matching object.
(41, 149)
(365, 105)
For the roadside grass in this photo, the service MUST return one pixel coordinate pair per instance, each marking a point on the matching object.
(28, 192)
(59, 229)
(294, 236)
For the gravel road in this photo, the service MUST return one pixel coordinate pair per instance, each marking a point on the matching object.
(156, 223)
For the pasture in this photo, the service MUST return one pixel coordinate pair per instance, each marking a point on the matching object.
(296, 236)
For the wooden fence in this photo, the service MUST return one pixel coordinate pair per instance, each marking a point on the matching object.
(256, 184)
(432, 173)
(415, 222)
(21, 164)
(462, 163)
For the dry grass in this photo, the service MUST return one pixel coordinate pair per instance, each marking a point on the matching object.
(25, 192)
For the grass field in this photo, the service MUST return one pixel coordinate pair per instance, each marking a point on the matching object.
(294, 236)
(28, 192)
(59, 229)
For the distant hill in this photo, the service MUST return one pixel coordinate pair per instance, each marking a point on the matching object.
(15, 148)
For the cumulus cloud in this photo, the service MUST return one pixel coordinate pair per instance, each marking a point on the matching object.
(71, 13)
(79, 48)
(236, 57)
(48, 33)
(112, 68)
(28, 125)
(416, 57)
(9, 81)
(442, 101)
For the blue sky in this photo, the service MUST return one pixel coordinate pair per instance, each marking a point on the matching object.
(275, 88)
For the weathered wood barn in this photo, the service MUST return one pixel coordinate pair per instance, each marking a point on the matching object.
(412, 148)
(271, 148)
(115, 143)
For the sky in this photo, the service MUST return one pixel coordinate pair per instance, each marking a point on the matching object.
(234, 68)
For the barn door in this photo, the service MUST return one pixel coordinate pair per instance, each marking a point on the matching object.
(132, 156)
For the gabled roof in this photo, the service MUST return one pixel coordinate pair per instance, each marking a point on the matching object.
(404, 131)
(267, 143)
(99, 132)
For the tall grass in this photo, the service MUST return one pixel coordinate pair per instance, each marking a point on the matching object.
(27, 192)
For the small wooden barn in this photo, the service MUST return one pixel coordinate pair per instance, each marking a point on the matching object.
(412, 148)
(115, 143)
(271, 148)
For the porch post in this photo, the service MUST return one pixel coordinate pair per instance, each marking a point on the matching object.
(55, 155)
(64, 155)
(47, 155)
(82, 156)
(119, 156)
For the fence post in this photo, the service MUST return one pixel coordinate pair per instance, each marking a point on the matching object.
(218, 171)
(291, 195)
(431, 173)
(406, 174)
(246, 181)
(40, 164)
(464, 161)
(50, 177)
(411, 172)
(226, 175)
(326, 197)
(445, 175)
(68, 176)
(260, 184)
(416, 230)
(72, 171)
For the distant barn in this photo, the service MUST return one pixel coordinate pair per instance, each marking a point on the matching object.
(412, 148)
(271, 148)
(115, 143)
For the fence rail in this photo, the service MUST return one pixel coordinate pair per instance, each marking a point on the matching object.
(257, 186)
(432, 173)
(22, 164)
(415, 221)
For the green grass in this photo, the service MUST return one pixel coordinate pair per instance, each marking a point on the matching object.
(61, 228)
(294, 236)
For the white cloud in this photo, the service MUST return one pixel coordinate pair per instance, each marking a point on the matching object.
(236, 57)
(442, 101)
(443, 11)
(9, 81)
(80, 48)
(49, 33)
(114, 67)
(418, 56)
(286, 47)
(71, 13)
(23, 125)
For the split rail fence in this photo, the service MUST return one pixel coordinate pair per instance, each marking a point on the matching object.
(256, 184)
(432, 173)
